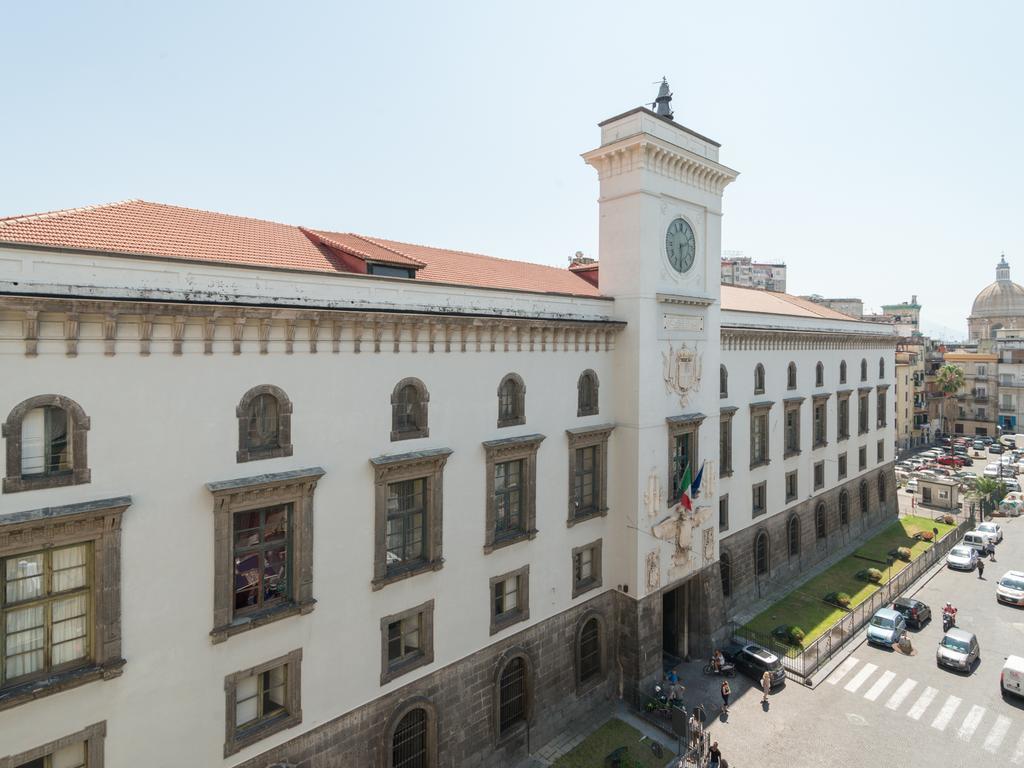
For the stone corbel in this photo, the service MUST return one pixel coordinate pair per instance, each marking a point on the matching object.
(336, 326)
(177, 334)
(449, 332)
(30, 331)
(109, 334)
(145, 334)
(71, 334)
(414, 335)
(397, 335)
(378, 332)
(289, 336)
(432, 329)
(209, 332)
(314, 333)
(237, 332)
(264, 335)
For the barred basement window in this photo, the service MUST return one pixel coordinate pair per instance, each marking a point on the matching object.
(262, 701)
(590, 650)
(793, 528)
(409, 410)
(844, 508)
(511, 401)
(409, 745)
(820, 522)
(761, 554)
(512, 695)
(46, 444)
(791, 376)
(264, 424)
(586, 394)
(725, 569)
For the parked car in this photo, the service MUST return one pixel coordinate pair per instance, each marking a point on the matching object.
(952, 461)
(1010, 588)
(974, 540)
(912, 485)
(991, 470)
(969, 478)
(962, 558)
(1011, 679)
(978, 445)
(886, 626)
(960, 450)
(753, 661)
(914, 612)
(987, 440)
(995, 448)
(1010, 484)
(994, 531)
(958, 649)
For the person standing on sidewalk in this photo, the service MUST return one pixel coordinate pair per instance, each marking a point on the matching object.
(981, 568)
(726, 691)
(766, 686)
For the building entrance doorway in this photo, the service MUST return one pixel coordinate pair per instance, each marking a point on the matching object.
(683, 633)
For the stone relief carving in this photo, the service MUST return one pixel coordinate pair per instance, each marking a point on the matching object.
(653, 570)
(652, 496)
(681, 371)
(709, 545)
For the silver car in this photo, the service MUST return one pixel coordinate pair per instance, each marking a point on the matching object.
(886, 626)
(995, 533)
(962, 558)
(958, 649)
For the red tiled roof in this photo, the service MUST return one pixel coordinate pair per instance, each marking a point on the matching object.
(136, 227)
(739, 299)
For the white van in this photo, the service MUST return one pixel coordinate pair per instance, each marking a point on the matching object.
(1011, 680)
(976, 540)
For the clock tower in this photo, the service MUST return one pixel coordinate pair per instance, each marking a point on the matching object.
(661, 188)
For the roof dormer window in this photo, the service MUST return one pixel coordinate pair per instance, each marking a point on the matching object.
(386, 270)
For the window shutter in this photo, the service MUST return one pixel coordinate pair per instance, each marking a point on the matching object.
(33, 448)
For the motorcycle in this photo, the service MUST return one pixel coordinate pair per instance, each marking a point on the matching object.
(659, 700)
(948, 620)
(726, 669)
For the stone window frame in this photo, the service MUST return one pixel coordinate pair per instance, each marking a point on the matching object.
(522, 610)
(758, 410)
(863, 492)
(759, 379)
(881, 368)
(295, 487)
(14, 481)
(498, 452)
(819, 374)
(863, 406)
(392, 670)
(842, 371)
(92, 736)
(236, 738)
(725, 573)
(519, 401)
(397, 715)
(763, 488)
(724, 446)
(284, 425)
(842, 464)
(880, 452)
(791, 374)
(796, 488)
(881, 406)
(793, 535)
(819, 475)
(687, 424)
(723, 504)
(791, 405)
(423, 408)
(583, 686)
(596, 568)
(97, 523)
(595, 384)
(510, 654)
(844, 507)
(862, 458)
(820, 521)
(821, 400)
(723, 382)
(863, 369)
(759, 537)
(843, 425)
(426, 465)
(587, 437)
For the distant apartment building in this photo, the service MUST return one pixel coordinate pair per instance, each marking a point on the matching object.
(849, 306)
(975, 409)
(743, 271)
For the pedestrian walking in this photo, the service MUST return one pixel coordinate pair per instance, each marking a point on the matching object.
(991, 552)
(981, 568)
(766, 686)
(715, 755)
(695, 729)
(726, 692)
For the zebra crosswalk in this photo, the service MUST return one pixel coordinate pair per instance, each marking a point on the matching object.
(928, 705)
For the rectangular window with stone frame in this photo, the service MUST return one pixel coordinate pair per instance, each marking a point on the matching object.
(792, 436)
(862, 458)
(511, 487)
(759, 434)
(881, 406)
(263, 549)
(841, 465)
(819, 475)
(723, 513)
(725, 441)
(83, 749)
(820, 421)
(759, 499)
(881, 451)
(862, 411)
(262, 700)
(791, 485)
(407, 641)
(510, 598)
(588, 473)
(408, 510)
(586, 568)
(683, 433)
(60, 607)
(843, 415)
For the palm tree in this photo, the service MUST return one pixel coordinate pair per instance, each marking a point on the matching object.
(949, 380)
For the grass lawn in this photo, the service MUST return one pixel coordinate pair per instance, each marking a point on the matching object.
(805, 606)
(602, 742)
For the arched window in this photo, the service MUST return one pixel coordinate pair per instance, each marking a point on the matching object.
(819, 375)
(844, 507)
(723, 381)
(863, 370)
(409, 744)
(511, 401)
(264, 424)
(793, 534)
(759, 379)
(791, 376)
(586, 394)
(842, 372)
(513, 695)
(881, 367)
(589, 650)
(881, 487)
(725, 568)
(46, 445)
(409, 410)
(820, 521)
(761, 554)
(863, 497)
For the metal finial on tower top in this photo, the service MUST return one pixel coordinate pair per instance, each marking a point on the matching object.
(663, 104)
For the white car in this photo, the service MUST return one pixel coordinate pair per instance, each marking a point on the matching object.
(962, 558)
(991, 470)
(1011, 484)
(993, 530)
(1010, 588)
(912, 485)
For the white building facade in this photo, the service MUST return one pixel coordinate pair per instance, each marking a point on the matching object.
(279, 495)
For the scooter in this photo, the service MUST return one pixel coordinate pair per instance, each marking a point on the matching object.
(726, 669)
(948, 620)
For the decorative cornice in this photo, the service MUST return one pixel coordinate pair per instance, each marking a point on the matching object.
(689, 301)
(686, 418)
(793, 400)
(736, 338)
(277, 479)
(642, 151)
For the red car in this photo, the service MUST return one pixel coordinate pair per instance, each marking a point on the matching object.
(952, 461)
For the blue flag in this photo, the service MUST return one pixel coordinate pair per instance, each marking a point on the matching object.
(695, 487)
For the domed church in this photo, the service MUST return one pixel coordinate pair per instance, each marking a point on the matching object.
(999, 305)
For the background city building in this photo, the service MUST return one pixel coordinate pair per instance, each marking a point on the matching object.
(743, 271)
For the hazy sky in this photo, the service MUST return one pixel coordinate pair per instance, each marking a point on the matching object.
(879, 143)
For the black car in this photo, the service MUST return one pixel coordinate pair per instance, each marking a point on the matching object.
(753, 661)
(913, 611)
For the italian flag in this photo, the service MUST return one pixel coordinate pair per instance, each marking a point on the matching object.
(684, 490)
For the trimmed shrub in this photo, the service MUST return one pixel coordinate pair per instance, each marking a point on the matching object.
(948, 520)
(924, 535)
(838, 598)
(870, 574)
(903, 553)
(789, 634)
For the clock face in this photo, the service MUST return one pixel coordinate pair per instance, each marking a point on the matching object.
(680, 245)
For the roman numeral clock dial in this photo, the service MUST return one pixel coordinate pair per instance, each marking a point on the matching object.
(680, 245)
